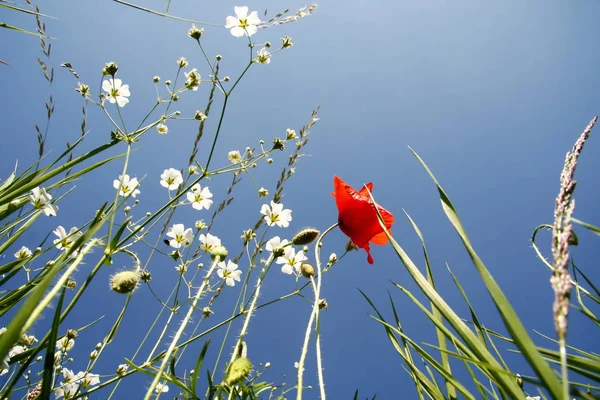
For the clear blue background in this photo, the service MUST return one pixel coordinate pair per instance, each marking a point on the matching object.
(491, 94)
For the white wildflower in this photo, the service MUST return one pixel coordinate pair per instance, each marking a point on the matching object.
(171, 178)
(229, 272)
(199, 197)
(41, 201)
(242, 23)
(126, 186)
(276, 215)
(181, 237)
(117, 92)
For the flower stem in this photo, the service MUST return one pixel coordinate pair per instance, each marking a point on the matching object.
(313, 315)
(179, 333)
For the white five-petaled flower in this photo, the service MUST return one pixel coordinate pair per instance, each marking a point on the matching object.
(263, 57)
(117, 92)
(199, 197)
(291, 261)
(193, 79)
(234, 156)
(242, 23)
(23, 253)
(65, 344)
(180, 236)
(88, 379)
(229, 272)
(162, 129)
(41, 201)
(209, 241)
(65, 240)
(171, 178)
(276, 215)
(127, 186)
(161, 388)
(275, 243)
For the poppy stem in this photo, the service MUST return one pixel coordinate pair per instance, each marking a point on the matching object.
(313, 315)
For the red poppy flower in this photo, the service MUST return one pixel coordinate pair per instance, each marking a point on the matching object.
(358, 216)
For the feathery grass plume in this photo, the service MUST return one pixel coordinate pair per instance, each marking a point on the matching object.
(561, 232)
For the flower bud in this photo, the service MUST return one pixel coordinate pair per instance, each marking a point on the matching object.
(267, 44)
(262, 192)
(278, 252)
(290, 134)
(182, 62)
(200, 225)
(124, 281)
(332, 258)
(156, 79)
(220, 252)
(195, 33)
(305, 236)
(351, 246)
(168, 82)
(200, 116)
(519, 381)
(219, 57)
(323, 304)
(93, 355)
(110, 68)
(286, 42)
(307, 270)
(122, 369)
(238, 371)
(278, 144)
(145, 276)
(207, 312)
(72, 334)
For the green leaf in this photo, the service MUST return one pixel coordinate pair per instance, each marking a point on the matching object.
(198, 365)
(49, 358)
(451, 391)
(507, 312)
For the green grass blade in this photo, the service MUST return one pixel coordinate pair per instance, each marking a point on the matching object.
(47, 378)
(450, 390)
(198, 366)
(507, 312)
(592, 228)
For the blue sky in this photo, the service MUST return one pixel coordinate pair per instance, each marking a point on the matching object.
(492, 95)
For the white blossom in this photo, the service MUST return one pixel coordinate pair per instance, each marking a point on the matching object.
(291, 261)
(23, 253)
(162, 129)
(276, 215)
(65, 240)
(161, 388)
(171, 178)
(117, 92)
(41, 201)
(263, 57)
(234, 156)
(181, 237)
(128, 186)
(229, 272)
(276, 243)
(242, 23)
(200, 197)
(209, 241)
(65, 344)
(192, 79)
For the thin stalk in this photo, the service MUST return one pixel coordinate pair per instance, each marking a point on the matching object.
(179, 333)
(313, 315)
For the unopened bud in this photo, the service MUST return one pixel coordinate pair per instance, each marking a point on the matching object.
(207, 312)
(305, 236)
(519, 381)
(307, 270)
(323, 304)
(195, 33)
(220, 252)
(278, 144)
(110, 68)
